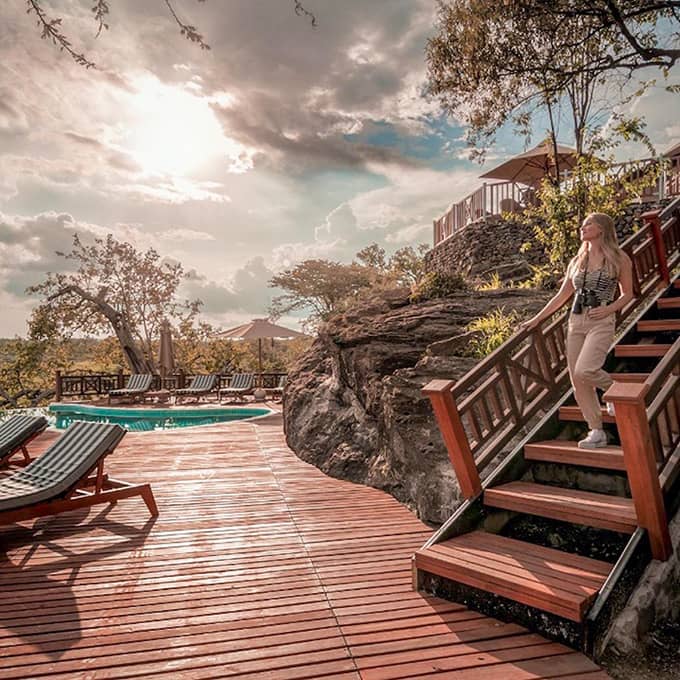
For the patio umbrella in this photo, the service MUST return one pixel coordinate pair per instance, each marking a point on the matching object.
(257, 329)
(532, 166)
(166, 357)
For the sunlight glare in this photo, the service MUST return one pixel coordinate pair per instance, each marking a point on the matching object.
(176, 132)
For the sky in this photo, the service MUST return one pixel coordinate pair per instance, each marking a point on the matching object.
(282, 143)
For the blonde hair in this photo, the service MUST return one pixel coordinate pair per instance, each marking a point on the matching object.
(613, 255)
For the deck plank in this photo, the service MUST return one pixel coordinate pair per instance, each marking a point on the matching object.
(258, 566)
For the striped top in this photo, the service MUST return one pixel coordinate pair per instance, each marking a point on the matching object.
(598, 280)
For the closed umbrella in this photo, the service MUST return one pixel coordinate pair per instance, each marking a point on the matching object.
(166, 358)
(257, 329)
(532, 166)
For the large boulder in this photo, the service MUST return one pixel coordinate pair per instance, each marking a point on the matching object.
(353, 404)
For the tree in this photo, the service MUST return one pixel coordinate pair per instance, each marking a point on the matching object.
(319, 285)
(629, 25)
(51, 26)
(491, 63)
(327, 287)
(114, 288)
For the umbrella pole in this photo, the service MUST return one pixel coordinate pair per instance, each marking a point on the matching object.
(259, 357)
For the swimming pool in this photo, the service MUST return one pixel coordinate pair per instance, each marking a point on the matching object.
(148, 419)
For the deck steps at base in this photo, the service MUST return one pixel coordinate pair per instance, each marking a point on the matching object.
(568, 505)
(641, 350)
(548, 579)
(568, 453)
(574, 413)
(668, 303)
(658, 325)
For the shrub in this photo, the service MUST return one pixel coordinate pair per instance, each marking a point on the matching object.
(436, 285)
(491, 331)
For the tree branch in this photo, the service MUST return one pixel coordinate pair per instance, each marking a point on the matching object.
(51, 31)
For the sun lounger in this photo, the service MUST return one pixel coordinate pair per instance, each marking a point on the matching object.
(137, 385)
(277, 392)
(241, 384)
(200, 385)
(16, 432)
(60, 479)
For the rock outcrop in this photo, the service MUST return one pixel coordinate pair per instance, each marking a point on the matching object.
(353, 406)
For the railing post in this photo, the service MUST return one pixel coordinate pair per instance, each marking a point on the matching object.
(57, 385)
(638, 455)
(451, 427)
(655, 224)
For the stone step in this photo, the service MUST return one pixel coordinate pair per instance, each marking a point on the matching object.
(568, 505)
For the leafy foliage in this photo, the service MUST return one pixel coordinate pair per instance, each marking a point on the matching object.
(326, 287)
(437, 285)
(496, 62)
(113, 284)
(492, 331)
(591, 187)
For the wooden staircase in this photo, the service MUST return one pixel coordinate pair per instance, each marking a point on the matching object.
(501, 551)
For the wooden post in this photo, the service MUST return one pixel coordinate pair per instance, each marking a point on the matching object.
(119, 381)
(638, 455)
(451, 427)
(655, 223)
(57, 385)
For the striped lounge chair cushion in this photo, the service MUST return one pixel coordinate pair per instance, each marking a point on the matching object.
(200, 383)
(62, 466)
(138, 382)
(241, 381)
(16, 430)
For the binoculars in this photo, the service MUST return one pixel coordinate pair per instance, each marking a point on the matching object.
(585, 298)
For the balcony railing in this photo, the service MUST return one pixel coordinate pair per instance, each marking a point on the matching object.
(511, 197)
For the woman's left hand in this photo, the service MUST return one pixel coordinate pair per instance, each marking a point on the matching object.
(598, 313)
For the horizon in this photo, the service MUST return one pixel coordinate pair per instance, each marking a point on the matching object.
(283, 142)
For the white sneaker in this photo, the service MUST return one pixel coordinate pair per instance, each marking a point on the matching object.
(596, 439)
(610, 409)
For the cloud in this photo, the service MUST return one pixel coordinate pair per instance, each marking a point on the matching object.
(246, 292)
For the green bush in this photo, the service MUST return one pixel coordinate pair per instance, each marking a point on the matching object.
(435, 285)
(491, 331)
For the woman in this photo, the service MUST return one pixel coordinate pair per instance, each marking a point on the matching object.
(599, 270)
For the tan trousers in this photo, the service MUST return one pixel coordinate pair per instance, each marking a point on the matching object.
(588, 343)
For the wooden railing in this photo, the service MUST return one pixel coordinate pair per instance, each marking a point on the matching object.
(510, 197)
(648, 421)
(484, 410)
(82, 385)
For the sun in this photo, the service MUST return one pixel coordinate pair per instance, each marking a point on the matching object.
(175, 132)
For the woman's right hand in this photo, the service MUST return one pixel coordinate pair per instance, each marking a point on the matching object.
(530, 324)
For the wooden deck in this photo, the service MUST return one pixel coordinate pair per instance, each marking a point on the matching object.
(259, 566)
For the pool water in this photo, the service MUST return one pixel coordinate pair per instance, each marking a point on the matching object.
(145, 419)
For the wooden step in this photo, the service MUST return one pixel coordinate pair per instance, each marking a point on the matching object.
(629, 377)
(569, 505)
(658, 325)
(549, 579)
(567, 452)
(641, 350)
(574, 413)
(668, 303)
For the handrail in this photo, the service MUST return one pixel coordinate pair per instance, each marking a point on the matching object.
(480, 413)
